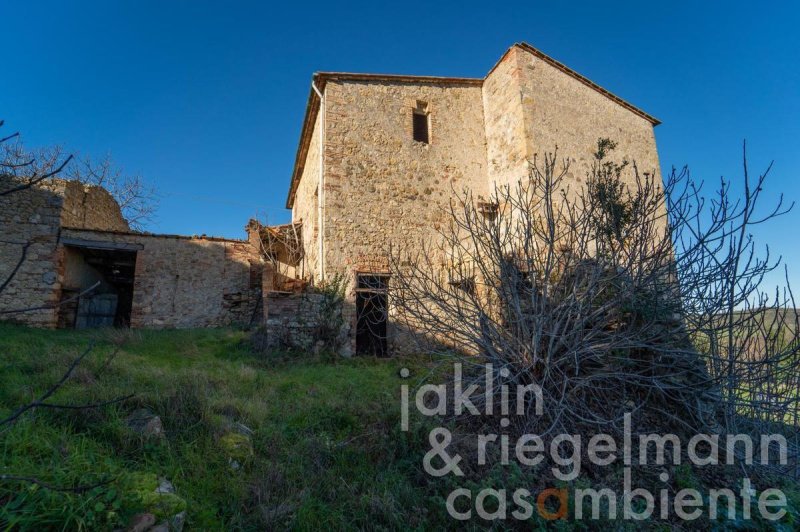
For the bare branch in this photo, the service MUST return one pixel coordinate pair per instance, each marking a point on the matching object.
(52, 305)
(22, 256)
(621, 294)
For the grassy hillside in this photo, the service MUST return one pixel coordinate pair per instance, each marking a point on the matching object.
(326, 450)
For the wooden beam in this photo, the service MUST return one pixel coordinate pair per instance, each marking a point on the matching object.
(97, 244)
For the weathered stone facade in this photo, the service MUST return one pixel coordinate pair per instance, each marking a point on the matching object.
(91, 207)
(382, 188)
(183, 281)
(29, 226)
(176, 281)
(307, 211)
(291, 320)
(569, 112)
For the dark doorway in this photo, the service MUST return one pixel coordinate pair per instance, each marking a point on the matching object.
(98, 286)
(372, 313)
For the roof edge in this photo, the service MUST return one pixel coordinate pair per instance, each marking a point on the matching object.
(401, 78)
(155, 235)
(312, 108)
(583, 79)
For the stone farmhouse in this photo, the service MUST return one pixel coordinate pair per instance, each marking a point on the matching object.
(378, 160)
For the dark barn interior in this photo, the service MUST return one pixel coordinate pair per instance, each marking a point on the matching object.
(98, 284)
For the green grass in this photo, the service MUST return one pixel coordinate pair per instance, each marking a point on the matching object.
(327, 449)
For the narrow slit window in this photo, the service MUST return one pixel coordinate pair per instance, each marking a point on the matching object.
(421, 118)
(421, 127)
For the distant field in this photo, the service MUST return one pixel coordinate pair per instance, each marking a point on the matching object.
(784, 317)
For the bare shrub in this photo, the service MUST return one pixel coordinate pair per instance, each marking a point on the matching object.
(137, 199)
(331, 319)
(623, 295)
(28, 167)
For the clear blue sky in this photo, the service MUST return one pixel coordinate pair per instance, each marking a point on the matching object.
(206, 99)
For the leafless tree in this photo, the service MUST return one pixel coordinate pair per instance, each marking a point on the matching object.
(625, 294)
(137, 200)
(23, 169)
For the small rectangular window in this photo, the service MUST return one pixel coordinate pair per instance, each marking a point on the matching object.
(467, 285)
(488, 209)
(421, 127)
(373, 282)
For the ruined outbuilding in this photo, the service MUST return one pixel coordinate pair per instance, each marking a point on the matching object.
(78, 265)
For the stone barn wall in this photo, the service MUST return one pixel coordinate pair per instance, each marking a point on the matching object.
(35, 215)
(91, 207)
(179, 281)
(29, 217)
(184, 282)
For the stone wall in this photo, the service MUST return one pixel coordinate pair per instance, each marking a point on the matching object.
(179, 281)
(532, 107)
(291, 320)
(29, 218)
(305, 206)
(36, 215)
(560, 110)
(184, 282)
(90, 207)
(506, 136)
(381, 186)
